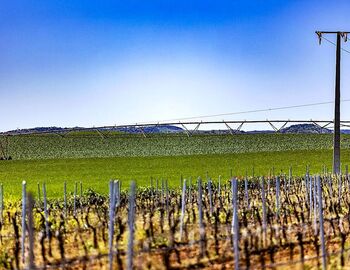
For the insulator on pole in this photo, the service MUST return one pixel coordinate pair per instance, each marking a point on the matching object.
(319, 34)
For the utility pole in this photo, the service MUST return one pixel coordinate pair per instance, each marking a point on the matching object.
(336, 133)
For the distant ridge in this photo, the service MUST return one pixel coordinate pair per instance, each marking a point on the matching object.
(305, 128)
(154, 129)
(149, 129)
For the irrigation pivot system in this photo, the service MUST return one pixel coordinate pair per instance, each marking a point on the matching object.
(172, 128)
(187, 127)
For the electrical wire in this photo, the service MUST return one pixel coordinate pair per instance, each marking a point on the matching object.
(247, 112)
(259, 110)
(331, 42)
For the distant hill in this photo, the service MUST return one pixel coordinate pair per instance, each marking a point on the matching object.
(301, 129)
(150, 129)
(36, 129)
(305, 128)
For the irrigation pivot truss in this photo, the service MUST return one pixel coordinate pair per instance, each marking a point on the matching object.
(188, 128)
(171, 128)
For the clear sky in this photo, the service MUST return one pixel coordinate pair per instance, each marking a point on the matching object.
(85, 63)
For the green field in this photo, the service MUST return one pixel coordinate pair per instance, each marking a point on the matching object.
(94, 160)
(88, 145)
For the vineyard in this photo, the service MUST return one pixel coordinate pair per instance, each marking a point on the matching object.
(250, 223)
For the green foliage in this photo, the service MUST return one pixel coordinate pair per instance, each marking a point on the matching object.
(89, 146)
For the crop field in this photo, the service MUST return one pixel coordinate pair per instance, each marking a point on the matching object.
(90, 145)
(253, 223)
(94, 160)
(96, 172)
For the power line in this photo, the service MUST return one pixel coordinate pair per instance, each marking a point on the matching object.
(250, 111)
(331, 42)
(259, 110)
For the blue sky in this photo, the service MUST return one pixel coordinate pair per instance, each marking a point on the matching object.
(85, 63)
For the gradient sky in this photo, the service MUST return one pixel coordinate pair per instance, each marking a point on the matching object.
(85, 63)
